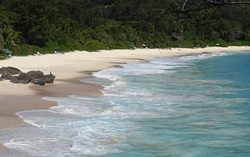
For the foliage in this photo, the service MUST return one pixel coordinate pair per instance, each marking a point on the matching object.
(181, 43)
(239, 43)
(8, 36)
(28, 26)
(221, 43)
(29, 49)
(94, 45)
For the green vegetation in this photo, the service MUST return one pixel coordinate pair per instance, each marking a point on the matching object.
(94, 45)
(28, 26)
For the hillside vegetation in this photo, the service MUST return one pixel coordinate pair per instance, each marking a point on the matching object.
(28, 26)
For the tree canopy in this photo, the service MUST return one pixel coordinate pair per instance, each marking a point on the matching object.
(27, 25)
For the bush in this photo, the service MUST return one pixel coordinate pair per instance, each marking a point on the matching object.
(221, 43)
(181, 43)
(94, 45)
(28, 50)
(200, 43)
(187, 44)
(118, 45)
(2, 55)
(239, 43)
(245, 43)
(235, 43)
(50, 46)
(162, 45)
(149, 44)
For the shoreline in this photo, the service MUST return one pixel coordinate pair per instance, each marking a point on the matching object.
(69, 69)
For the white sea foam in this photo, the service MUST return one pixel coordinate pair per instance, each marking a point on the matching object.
(129, 69)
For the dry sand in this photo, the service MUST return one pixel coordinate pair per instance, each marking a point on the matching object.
(69, 69)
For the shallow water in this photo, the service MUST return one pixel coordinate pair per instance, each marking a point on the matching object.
(181, 106)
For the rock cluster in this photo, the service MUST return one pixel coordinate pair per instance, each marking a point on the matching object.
(17, 76)
(10, 70)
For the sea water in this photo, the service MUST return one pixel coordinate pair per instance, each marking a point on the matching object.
(189, 106)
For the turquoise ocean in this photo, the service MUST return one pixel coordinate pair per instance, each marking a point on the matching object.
(188, 106)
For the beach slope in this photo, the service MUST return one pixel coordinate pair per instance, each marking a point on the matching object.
(69, 69)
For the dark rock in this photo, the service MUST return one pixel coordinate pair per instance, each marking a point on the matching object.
(38, 81)
(22, 78)
(36, 77)
(35, 74)
(10, 70)
(43, 80)
(49, 78)
(6, 76)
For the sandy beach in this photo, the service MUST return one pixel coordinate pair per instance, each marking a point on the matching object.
(69, 69)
